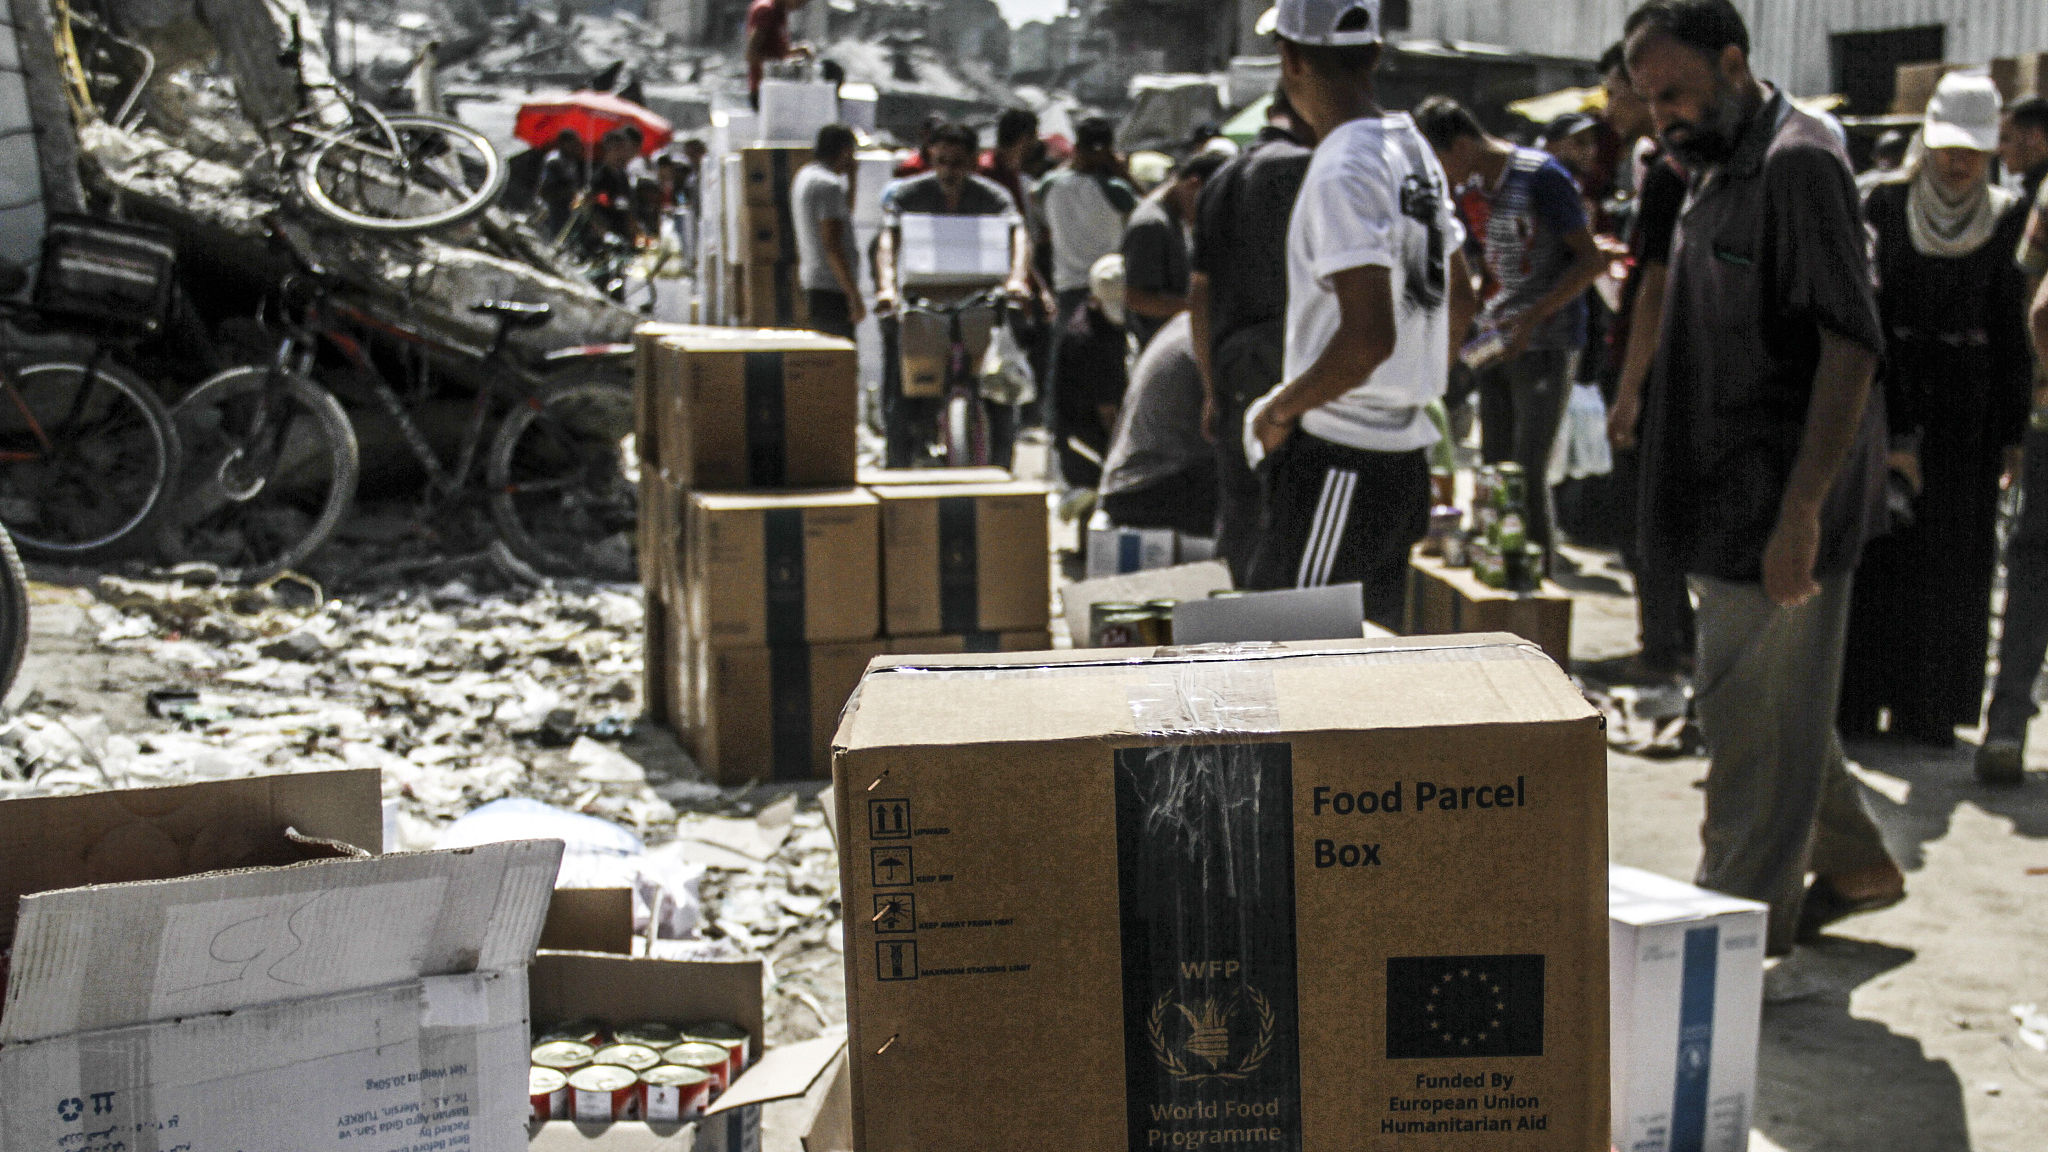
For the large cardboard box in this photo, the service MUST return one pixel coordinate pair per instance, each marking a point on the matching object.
(647, 384)
(2019, 77)
(771, 296)
(758, 409)
(780, 569)
(896, 477)
(925, 342)
(964, 558)
(1444, 601)
(379, 1001)
(766, 234)
(1687, 1004)
(1028, 640)
(764, 173)
(1324, 896)
(1913, 86)
(770, 713)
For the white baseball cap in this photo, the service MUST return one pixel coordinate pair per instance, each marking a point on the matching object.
(1963, 113)
(1335, 23)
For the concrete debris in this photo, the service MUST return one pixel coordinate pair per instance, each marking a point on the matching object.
(483, 710)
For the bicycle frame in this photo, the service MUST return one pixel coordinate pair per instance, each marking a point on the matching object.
(516, 382)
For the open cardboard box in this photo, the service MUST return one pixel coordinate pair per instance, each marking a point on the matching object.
(212, 966)
(791, 1099)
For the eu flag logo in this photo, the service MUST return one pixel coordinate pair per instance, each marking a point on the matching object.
(1447, 1006)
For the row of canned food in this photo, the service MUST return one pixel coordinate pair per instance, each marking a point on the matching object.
(657, 1073)
(1136, 624)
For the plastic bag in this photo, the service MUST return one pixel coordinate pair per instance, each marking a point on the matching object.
(596, 853)
(1582, 449)
(1006, 376)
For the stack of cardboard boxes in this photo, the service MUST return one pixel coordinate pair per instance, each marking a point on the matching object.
(761, 236)
(773, 578)
(758, 553)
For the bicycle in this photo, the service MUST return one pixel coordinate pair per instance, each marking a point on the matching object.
(87, 449)
(968, 429)
(13, 613)
(388, 173)
(552, 473)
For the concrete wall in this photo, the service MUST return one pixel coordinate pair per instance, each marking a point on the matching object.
(1790, 37)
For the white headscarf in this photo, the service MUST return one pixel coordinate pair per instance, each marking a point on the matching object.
(1941, 225)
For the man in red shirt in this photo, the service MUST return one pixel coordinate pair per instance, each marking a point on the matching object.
(768, 39)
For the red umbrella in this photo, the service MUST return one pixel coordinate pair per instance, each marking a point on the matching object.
(590, 115)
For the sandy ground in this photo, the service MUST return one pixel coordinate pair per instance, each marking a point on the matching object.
(1908, 1043)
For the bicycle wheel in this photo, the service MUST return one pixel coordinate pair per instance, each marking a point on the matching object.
(13, 613)
(84, 463)
(440, 173)
(256, 505)
(966, 432)
(558, 483)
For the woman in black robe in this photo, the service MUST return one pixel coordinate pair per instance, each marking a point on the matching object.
(1956, 383)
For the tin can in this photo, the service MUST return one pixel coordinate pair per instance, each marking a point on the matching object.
(563, 1056)
(589, 1032)
(1099, 614)
(603, 1093)
(1126, 630)
(714, 1059)
(1161, 612)
(652, 1033)
(548, 1089)
(732, 1036)
(638, 1057)
(673, 1093)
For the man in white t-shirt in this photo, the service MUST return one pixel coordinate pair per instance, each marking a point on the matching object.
(1376, 286)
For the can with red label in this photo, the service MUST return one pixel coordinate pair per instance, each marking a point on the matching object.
(674, 1092)
(564, 1056)
(549, 1090)
(589, 1032)
(652, 1033)
(638, 1057)
(603, 1093)
(714, 1059)
(731, 1036)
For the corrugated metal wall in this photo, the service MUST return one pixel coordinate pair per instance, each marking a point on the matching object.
(1790, 37)
(21, 173)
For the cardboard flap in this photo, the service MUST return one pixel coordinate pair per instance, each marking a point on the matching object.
(50, 842)
(589, 920)
(781, 1074)
(104, 957)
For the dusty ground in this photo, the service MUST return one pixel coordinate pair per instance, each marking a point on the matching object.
(1908, 1043)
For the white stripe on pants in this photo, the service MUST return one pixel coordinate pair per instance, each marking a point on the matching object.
(1333, 512)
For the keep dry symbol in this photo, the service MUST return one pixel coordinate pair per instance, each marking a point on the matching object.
(892, 867)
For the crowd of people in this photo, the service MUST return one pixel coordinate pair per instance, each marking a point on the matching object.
(1818, 384)
(613, 192)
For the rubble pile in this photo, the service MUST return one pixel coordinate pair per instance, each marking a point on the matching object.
(459, 698)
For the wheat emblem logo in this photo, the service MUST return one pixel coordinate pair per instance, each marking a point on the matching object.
(1208, 1038)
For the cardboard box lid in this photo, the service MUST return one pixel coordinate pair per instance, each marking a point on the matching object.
(1414, 682)
(893, 492)
(783, 1073)
(129, 834)
(756, 340)
(116, 955)
(764, 501)
(1642, 899)
(574, 985)
(884, 477)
